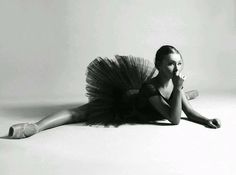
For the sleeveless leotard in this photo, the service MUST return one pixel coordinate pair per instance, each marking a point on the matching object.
(143, 105)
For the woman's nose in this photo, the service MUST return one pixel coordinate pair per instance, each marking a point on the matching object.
(176, 68)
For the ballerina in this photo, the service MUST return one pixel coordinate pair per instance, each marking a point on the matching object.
(125, 90)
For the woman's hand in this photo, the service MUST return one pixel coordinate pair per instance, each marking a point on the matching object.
(178, 80)
(213, 123)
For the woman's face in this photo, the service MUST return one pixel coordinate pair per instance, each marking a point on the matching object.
(171, 64)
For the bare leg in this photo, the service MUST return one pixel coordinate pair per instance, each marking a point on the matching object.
(57, 119)
(54, 120)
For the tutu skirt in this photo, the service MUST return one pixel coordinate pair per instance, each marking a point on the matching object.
(112, 87)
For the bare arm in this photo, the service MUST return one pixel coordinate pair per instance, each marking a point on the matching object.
(173, 111)
(190, 112)
(175, 106)
(195, 116)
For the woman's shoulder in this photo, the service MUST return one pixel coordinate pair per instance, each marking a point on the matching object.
(148, 89)
(149, 83)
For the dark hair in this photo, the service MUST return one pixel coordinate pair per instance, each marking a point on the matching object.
(163, 51)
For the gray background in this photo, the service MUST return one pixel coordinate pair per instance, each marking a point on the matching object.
(45, 45)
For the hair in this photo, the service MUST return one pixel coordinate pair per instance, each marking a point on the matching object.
(162, 52)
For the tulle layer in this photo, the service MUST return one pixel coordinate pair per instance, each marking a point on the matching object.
(112, 86)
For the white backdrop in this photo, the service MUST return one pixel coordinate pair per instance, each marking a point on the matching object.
(45, 46)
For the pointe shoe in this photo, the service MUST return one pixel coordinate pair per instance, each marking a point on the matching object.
(190, 95)
(22, 130)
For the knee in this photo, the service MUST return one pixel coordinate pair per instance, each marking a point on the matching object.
(78, 115)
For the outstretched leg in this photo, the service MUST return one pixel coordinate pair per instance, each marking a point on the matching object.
(23, 130)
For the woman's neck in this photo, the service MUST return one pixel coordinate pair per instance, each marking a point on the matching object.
(163, 81)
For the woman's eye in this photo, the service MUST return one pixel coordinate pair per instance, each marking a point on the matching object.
(179, 63)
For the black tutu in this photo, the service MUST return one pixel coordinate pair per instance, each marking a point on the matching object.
(112, 87)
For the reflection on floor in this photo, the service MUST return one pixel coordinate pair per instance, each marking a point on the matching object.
(188, 148)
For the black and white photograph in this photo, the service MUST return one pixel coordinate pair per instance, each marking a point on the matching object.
(117, 87)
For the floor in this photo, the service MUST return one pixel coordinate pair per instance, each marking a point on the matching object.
(185, 149)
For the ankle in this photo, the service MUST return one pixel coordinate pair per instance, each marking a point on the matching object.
(31, 129)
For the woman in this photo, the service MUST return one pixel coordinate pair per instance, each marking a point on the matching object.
(125, 91)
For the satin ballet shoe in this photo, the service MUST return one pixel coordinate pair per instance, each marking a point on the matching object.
(190, 95)
(22, 130)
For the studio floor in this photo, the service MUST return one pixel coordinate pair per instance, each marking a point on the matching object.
(186, 149)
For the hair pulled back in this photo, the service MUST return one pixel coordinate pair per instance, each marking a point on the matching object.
(162, 52)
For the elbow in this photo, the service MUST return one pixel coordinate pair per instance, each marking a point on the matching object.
(175, 120)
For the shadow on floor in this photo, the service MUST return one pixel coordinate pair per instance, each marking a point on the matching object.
(38, 111)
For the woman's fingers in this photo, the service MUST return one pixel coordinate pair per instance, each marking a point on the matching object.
(216, 122)
(182, 76)
(178, 79)
(211, 125)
